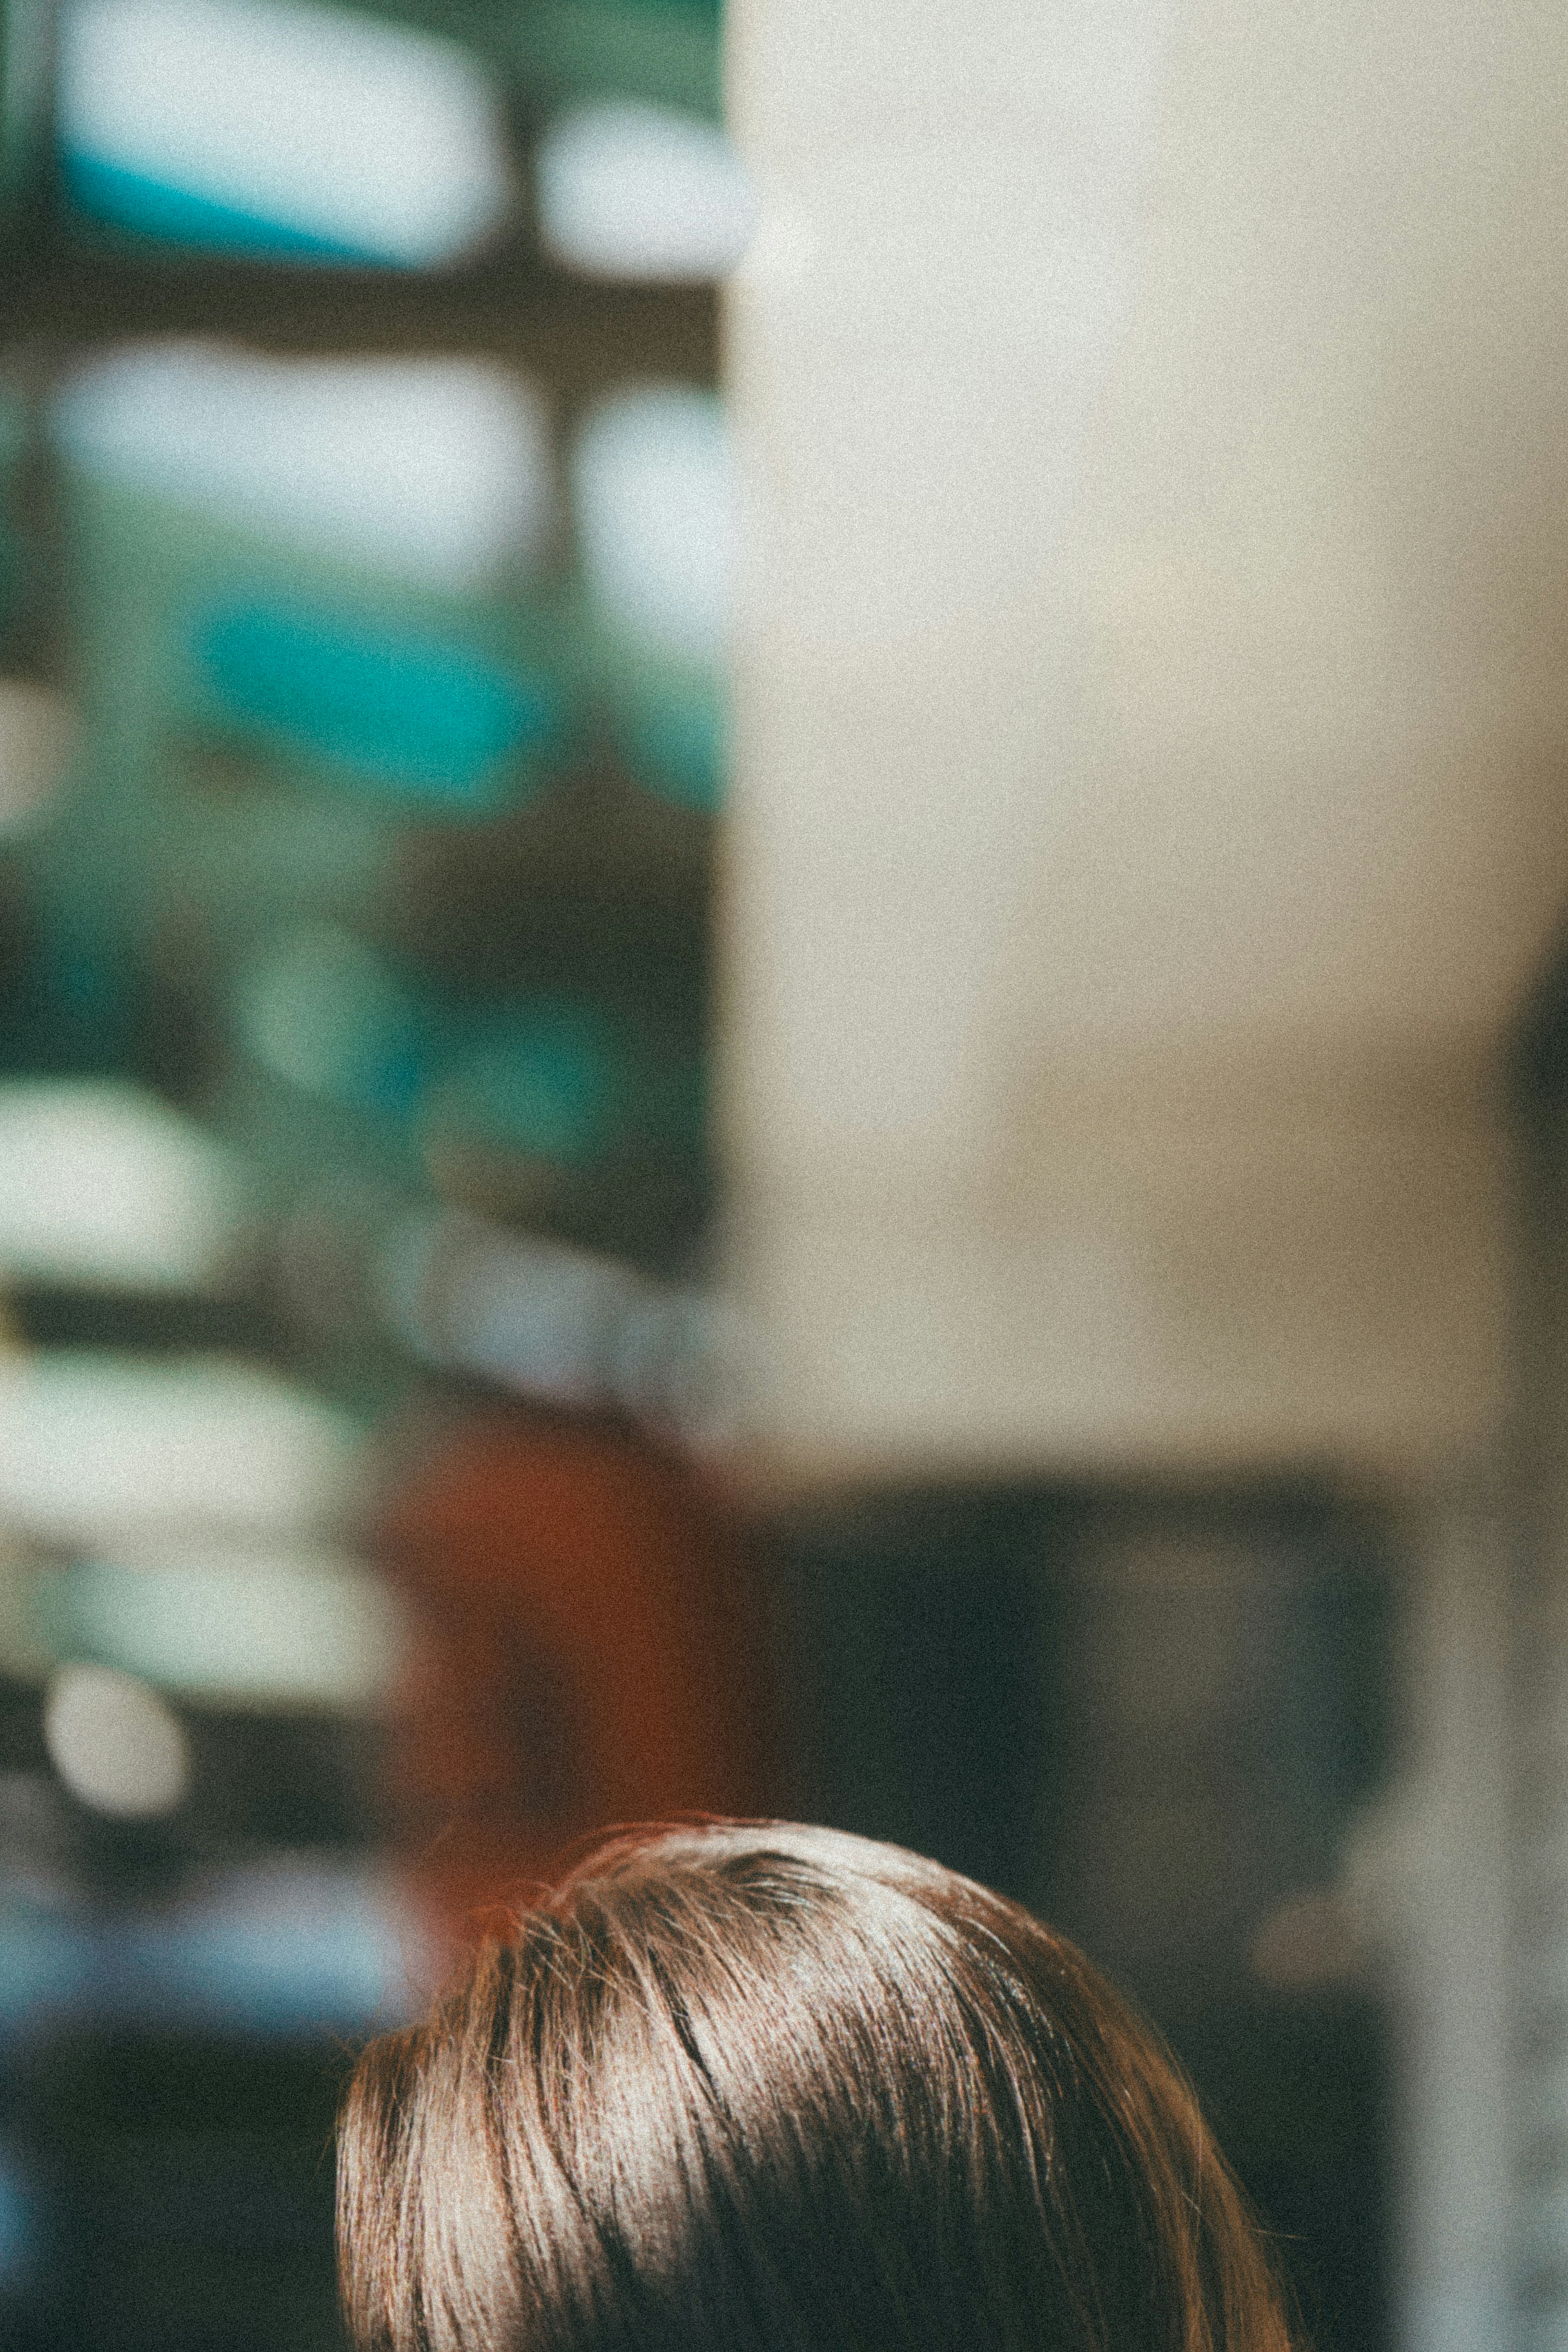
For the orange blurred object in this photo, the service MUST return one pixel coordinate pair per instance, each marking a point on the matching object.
(585, 1650)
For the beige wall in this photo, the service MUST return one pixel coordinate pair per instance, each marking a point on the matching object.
(1150, 695)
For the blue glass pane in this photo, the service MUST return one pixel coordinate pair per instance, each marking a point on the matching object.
(269, 1970)
(324, 1952)
(44, 1963)
(422, 719)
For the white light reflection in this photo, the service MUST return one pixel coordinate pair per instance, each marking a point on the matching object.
(632, 191)
(546, 1320)
(653, 493)
(95, 1448)
(281, 129)
(116, 1746)
(434, 469)
(226, 1626)
(320, 1010)
(533, 1315)
(102, 1184)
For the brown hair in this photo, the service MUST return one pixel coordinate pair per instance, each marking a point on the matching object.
(759, 2088)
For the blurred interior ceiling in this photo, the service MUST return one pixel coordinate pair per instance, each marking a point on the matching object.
(1149, 816)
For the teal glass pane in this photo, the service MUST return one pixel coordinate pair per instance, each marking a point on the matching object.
(150, 208)
(420, 717)
(542, 1079)
(676, 744)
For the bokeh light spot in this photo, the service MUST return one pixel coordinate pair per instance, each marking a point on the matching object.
(117, 1747)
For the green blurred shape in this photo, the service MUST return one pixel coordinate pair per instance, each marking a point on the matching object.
(26, 53)
(543, 1079)
(322, 1011)
(340, 672)
(259, 718)
(667, 50)
(670, 726)
(672, 1099)
(668, 714)
(14, 434)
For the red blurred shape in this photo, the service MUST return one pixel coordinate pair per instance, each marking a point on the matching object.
(585, 1650)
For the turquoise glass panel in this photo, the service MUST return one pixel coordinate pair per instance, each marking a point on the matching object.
(173, 215)
(676, 743)
(419, 718)
(541, 1079)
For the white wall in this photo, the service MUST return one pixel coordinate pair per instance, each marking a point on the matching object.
(1150, 815)
(1149, 701)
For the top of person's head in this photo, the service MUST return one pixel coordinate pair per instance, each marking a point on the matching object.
(749, 2086)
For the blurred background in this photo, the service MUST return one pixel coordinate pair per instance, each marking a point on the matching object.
(782, 845)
